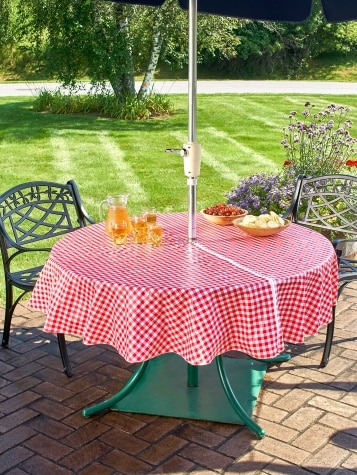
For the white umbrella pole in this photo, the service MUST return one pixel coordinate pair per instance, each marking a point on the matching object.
(192, 150)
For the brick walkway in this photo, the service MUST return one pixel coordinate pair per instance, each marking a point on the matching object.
(309, 414)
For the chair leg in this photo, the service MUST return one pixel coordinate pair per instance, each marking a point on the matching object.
(7, 325)
(9, 309)
(328, 341)
(64, 354)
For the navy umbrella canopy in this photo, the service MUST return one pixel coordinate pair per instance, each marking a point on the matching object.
(268, 10)
(273, 10)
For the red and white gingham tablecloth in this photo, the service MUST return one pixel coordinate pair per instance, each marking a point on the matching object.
(228, 291)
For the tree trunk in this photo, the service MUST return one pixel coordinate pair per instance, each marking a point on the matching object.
(154, 58)
(124, 83)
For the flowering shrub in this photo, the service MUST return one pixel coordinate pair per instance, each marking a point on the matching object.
(321, 145)
(262, 193)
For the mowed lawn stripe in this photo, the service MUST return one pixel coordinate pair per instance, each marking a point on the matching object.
(61, 154)
(120, 169)
(243, 157)
(255, 112)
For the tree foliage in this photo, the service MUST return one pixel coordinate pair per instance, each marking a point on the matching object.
(80, 38)
(104, 41)
(275, 50)
(5, 23)
(269, 48)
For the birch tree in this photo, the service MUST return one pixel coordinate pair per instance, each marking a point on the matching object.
(162, 34)
(156, 43)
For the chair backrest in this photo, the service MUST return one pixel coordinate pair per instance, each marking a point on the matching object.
(326, 202)
(34, 214)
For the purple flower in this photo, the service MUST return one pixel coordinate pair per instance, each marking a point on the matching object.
(261, 193)
(320, 143)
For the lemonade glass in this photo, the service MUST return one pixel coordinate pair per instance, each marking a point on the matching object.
(154, 234)
(119, 231)
(150, 215)
(139, 229)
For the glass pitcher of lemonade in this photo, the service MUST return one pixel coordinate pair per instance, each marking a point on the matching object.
(116, 208)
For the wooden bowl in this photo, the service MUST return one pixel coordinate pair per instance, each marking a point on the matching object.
(222, 220)
(260, 232)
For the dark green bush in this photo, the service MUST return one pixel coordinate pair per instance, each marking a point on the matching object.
(104, 104)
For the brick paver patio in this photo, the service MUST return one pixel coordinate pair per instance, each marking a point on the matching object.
(309, 413)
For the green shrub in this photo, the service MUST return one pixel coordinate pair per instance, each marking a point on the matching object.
(105, 104)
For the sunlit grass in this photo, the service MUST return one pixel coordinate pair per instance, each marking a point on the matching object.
(239, 135)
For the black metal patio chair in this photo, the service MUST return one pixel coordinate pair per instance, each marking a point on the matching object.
(328, 204)
(32, 217)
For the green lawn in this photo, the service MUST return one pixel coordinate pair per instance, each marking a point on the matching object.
(240, 135)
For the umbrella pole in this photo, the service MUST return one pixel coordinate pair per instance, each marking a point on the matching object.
(192, 150)
(192, 71)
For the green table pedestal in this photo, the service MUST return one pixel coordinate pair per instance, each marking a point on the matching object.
(224, 391)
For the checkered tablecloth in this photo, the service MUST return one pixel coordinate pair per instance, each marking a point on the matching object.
(228, 291)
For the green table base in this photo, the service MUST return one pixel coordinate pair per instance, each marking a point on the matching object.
(168, 386)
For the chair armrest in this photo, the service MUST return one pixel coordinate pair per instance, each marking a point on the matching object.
(20, 250)
(291, 211)
(88, 218)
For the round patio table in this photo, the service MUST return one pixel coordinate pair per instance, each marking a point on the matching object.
(192, 302)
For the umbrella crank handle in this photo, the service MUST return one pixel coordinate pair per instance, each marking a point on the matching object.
(191, 153)
(174, 150)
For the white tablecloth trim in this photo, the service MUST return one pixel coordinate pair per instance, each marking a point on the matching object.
(240, 266)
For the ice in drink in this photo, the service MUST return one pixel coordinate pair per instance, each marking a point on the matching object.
(139, 229)
(154, 237)
(119, 230)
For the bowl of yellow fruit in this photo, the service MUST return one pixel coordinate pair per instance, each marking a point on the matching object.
(263, 225)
